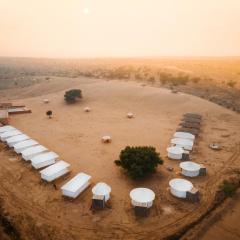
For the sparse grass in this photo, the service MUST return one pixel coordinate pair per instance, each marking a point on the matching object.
(232, 83)
(229, 187)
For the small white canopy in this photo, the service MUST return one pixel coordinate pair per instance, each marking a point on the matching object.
(106, 139)
(76, 185)
(175, 153)
(184, 143)
(190, 169)
(87, 109)
(19, 138)
(6, 128)
(44, 160)
(184, 135)
(102, 189)
(130, 115)
(30, 152)
(11, 133)
(142, 197)
(180, 187)
(55, 171)
(20, 146)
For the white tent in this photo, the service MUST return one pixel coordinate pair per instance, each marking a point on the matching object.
(19, 138)
(130, 115)
(101, 189)
(76, 185)
(180, 187)
(190, 169)
(184, 135)
(44, 160)
(55, 171)
(175, 153)
(184, 143)
(20, 146)
(4, 136)
(142, 197)
(30, 152)
(6, 128)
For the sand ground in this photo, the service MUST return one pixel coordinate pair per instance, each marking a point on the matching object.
(39, 210)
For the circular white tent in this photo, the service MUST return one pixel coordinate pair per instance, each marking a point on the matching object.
(180, 187)
(184, 143)
(175, 153)
(190, 169)
(184, 135)
(102, 189)
(142, 197)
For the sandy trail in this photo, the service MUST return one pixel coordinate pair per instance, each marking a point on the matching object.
(75, 136)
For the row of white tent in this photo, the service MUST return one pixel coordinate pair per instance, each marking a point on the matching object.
(41, 157)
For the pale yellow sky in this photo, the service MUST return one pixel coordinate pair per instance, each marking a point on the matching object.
(119, 28)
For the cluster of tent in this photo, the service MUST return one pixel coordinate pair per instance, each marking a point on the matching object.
(181, 145)
(51, 167)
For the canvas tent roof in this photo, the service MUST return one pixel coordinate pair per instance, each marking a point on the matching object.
(44, 159)
(30, 152)
(19, 138)
(6, 128)
(54, 171)
(180, 184)
(142, 195)
(184, 135)
(190, 166)
(175, 150)
(193, 131)
(20, 146)
(101, 189)
(76, 185)
(6, 135)
(182, 141)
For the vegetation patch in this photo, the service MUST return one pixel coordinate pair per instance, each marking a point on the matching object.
(72, 95)
(139, 161)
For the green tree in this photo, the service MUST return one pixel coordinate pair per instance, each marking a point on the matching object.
(72, 95)
(139, 161)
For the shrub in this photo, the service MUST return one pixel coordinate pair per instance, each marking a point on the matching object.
(231, 83)
(71, 95)
(229, 187)
(49, 113)
(139, 161)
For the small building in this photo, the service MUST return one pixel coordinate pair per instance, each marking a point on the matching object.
(175, 153)
(55, 171)
(101, 194)
(142, 200)
(179, 187)
(190, 169)
(76, 185)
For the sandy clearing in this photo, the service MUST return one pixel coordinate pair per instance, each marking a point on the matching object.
(76, 136)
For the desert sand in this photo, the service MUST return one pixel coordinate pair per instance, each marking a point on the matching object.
(38, 210)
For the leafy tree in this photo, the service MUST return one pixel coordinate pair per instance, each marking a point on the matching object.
(139, 161)
(71, 95)
(49, 113)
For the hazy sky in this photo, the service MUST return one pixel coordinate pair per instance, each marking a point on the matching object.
(111, 28)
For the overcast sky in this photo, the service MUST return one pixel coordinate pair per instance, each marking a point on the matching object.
(119, 28)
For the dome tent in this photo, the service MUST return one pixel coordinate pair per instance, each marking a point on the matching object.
(142, 197)
(180, 187)
(190, 169)
(175, 153)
